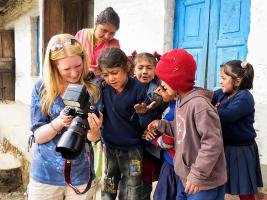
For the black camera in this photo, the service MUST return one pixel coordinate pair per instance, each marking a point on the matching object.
(78, 105)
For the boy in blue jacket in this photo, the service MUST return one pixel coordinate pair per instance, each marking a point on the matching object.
(125, 119)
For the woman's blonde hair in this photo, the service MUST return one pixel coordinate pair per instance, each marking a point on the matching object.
(59, 47)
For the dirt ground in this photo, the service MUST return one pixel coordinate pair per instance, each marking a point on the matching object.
(17, 195)
(20, 194)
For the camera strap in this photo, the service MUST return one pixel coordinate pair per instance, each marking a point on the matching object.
(68, 174)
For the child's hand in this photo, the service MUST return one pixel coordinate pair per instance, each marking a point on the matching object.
(142, 108)
(149, 135)
(190, 188)
(95, 124)
(153, 126)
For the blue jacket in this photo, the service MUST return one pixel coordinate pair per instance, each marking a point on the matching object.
(122, 126)
(236, 116)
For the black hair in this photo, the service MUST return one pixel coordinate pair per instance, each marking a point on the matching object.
(238, 69)
(108, 16)
(147, 56)
(113, 57)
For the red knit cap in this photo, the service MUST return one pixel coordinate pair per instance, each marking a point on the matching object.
(177, 68)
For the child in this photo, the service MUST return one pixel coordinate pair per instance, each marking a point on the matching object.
(199, 157)
(144, 70)
(123, 125)
(235, 105)
(166, 187)
(65, 62)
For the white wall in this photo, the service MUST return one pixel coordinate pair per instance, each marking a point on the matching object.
(257, 49)
(142, 23)
(23, 40)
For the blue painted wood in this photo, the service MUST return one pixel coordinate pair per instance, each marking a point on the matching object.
(191, 29)
(229, 29)
(213, 31)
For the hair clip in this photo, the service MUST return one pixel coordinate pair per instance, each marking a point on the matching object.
(156, 55)
(134, 53)
(244, 64)
(132, 56)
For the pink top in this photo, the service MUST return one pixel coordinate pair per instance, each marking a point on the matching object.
(97, 51)
(86, 37)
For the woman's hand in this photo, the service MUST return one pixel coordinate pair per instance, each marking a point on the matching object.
(65, 120)
(95, 124)
(48, 131)
(143, 107)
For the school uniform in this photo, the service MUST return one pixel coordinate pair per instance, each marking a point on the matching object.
(122, 131)
(167, 183)
(241, 151)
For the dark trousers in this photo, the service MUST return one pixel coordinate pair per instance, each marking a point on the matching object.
(212, 194)
(122, 163)
(166, 188)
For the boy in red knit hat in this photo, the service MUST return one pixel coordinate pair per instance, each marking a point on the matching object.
(199, 161)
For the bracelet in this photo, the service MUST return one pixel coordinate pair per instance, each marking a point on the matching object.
(52, 126)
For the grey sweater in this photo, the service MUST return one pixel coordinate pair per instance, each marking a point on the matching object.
(199, 155)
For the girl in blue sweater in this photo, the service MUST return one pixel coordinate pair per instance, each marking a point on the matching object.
(144, 71)
(235, 105)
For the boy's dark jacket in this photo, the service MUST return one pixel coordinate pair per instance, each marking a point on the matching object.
(122, 126)
(199, 155)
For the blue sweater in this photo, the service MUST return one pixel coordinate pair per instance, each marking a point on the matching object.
(236, 116)
(122, 127)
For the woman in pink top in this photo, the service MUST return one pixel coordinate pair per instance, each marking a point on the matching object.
(96, 39)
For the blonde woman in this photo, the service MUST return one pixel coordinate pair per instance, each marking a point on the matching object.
(65, 62)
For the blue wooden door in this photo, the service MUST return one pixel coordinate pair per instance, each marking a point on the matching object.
(213, 31)
(191, 32)
(229, 28)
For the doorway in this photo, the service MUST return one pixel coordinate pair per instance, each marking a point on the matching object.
(213, 31)
(66, 16)
(7, 65)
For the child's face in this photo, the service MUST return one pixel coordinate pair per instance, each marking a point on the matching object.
(167, 91)
(70, 68)
(226, 83)
(165, 96)
(116, 77)
(144, 70)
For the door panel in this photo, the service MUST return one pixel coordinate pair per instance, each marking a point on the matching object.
(229, 28)
(213, 31)
(191, 32)
(66, 16)
(7, 65)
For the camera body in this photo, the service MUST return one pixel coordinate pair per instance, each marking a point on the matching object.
(76, 99)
